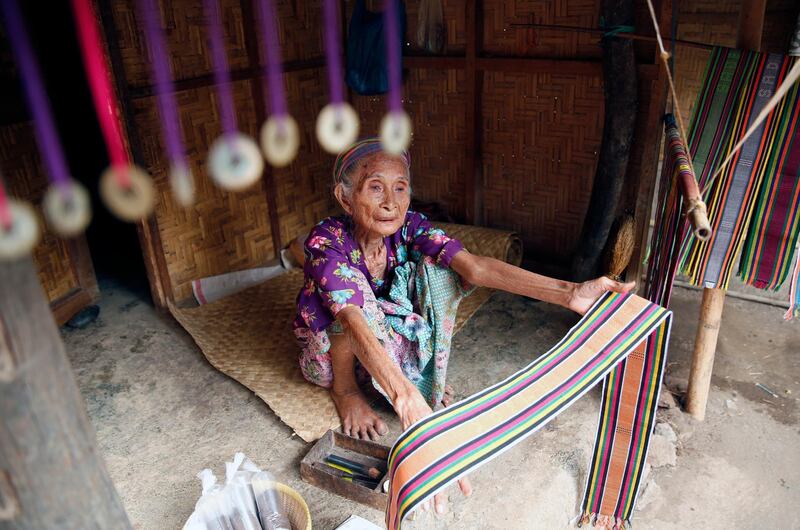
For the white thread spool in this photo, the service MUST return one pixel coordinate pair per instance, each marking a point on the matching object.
(280, 139)
(18, 239)
(67, 209)
(235, 162)
(395, 132)
(132, 203)
(337, 127)
(182, 182)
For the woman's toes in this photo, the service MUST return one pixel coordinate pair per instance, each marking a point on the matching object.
(373, 434)
(381, 427)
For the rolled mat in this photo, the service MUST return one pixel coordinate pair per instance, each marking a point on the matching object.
(248, 335)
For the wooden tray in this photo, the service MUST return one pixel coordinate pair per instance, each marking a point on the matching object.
(314, 471)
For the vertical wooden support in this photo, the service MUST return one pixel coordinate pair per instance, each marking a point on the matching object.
(751, 24)
(51, 475)
(474, 118)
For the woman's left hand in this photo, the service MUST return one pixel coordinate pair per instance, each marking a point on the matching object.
(585, 294)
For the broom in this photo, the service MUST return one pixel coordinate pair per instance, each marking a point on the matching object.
(620, 247)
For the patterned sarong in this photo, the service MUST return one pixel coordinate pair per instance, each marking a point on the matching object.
(753, 203)
(619, 330)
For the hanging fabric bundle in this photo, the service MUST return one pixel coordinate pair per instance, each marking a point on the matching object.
(180, 176)
(126, 189)
(234, 160)
(396, 125)
(430, 26)
(734, 110)
(280, 138)
(337, 123)
(772, 236)
(367, 40)
(66, 202)
(622, 331)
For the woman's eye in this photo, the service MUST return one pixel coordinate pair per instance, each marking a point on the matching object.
(375, 187)
(400, 189)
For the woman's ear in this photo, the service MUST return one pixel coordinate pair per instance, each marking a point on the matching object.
(344, 201)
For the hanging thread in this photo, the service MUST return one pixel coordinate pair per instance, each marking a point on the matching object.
(66, 203)
(180, 176)
(396, 125)
(337, 123)
(234, 160)
(126, 189)
(280, 137)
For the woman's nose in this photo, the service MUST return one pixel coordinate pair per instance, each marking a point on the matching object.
(389, 201)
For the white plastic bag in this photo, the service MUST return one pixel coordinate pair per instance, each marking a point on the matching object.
(232, 506)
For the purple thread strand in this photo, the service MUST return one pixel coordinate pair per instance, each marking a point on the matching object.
(165, 88)
(36, 97)
(222, 77)
(333, 51)
(393, 55)
(272, 54)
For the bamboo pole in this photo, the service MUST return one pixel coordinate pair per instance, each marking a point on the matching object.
(751, 24)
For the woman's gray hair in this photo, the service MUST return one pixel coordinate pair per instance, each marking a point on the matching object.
(348, 179)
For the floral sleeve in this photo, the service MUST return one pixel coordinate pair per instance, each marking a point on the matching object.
(431, 241)
(329, 272)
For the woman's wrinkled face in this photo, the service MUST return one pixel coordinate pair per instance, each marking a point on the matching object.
(381, 195)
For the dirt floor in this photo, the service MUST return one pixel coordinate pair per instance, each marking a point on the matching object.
(162, 414)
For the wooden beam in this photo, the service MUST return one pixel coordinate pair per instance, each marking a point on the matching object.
(751, 23)
(51, 474)
(531, 65)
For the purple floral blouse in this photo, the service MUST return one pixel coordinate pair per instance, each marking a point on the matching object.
(332, 256)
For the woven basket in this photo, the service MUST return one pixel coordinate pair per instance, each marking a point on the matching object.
(296, 508)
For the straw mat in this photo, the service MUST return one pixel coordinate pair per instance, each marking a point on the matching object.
(248, 336)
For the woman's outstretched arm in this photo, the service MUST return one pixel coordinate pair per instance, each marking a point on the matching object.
(495, 274)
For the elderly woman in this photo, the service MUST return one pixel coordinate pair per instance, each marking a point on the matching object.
(381, 289)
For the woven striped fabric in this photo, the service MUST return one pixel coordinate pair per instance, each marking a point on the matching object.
(452, 442)
(734, 91)
(772, 236)
(670, 226)
(737, 86)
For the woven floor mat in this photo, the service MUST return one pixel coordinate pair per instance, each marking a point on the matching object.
(248, 336)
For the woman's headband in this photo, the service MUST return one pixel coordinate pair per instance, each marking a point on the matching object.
(358, 151)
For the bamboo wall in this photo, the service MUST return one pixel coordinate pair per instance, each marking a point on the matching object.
(508, 123)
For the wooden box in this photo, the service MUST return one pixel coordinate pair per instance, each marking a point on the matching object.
(314, 471)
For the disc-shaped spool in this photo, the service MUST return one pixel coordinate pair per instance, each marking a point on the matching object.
(337, 127)
(67, 208)
(280, 139)
(181, 181)
(395, 132)
(129, 203)
(21, 235)
(235, 162)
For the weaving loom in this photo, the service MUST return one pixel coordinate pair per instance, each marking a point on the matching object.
(623, 333)
(753, 203)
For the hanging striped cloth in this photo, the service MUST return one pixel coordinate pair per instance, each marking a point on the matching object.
(768, 248)
(619, 330)
(737, 86)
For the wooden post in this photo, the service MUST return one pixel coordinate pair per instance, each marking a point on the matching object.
(619, 122)
(51, 475)
(751, 24)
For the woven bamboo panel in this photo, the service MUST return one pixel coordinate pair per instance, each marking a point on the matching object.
(187, 39)
(435, 100)
(541, 135)
(304, 195)
(500, 37)
(223, 231)
(299, 29)
(25, 179)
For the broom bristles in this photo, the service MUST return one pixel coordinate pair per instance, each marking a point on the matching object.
(620, 248)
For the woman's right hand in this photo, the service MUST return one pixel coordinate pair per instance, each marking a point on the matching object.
(411, 407)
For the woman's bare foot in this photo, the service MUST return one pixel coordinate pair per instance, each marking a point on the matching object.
(358, 418)
(447, 398)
